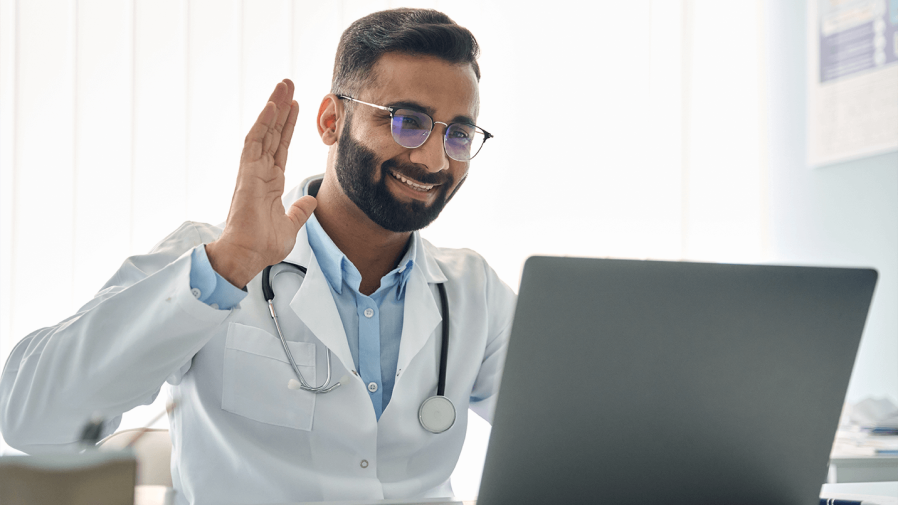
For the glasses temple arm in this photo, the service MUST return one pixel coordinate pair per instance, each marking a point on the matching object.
(381, 107)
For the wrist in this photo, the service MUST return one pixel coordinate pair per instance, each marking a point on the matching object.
(236, 265)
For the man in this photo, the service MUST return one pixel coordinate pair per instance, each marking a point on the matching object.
(247, 426)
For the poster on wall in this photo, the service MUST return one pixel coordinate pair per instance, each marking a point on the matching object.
(852, 79)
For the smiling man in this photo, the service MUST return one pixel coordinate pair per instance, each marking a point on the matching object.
(307, 341)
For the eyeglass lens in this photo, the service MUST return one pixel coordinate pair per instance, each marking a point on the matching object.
(411, 128)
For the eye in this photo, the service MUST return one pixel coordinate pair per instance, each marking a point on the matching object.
(408, 121)
(459, 132)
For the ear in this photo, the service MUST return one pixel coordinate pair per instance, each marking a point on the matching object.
(330, 119)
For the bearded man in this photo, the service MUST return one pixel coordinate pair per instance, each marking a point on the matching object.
(359, 389)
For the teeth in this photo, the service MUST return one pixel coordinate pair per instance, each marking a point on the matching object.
(413, 185)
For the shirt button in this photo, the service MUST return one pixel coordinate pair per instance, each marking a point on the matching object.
(364, 463)
(214, 306)
(372, 386)
(196, 292)
(369, 313)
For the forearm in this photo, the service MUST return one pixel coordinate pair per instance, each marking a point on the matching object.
(107, 359)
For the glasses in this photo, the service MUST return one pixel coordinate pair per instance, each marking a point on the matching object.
(411, 128)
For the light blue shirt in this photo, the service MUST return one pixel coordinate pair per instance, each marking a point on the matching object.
(373, 324)
(209, 287)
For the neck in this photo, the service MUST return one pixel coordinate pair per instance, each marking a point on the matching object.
(373, 250)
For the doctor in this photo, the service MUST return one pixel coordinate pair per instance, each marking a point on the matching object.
(192, 312)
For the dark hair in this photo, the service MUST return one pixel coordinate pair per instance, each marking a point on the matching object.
(409, 31)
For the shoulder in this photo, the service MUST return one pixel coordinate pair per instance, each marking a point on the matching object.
(466, 268)
(455, 262)
(476, 290)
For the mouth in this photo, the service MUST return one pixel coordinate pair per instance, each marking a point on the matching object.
(417, 186)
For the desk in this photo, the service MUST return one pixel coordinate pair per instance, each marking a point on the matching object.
(878, 468)
(161, 495)
(854, 457)
(431, 501)
(880, 493)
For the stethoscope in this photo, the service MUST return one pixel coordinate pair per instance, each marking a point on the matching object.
(436, 414)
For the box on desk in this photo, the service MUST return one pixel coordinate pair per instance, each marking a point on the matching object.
(89, 478)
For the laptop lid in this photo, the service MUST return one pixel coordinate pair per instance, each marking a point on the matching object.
(673, 382)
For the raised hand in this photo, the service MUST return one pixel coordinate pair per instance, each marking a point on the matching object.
(259, 232)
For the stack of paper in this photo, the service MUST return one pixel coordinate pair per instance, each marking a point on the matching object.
(868, 428)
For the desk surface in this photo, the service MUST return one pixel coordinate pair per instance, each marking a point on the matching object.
(161, 495)
(854, 468)
(878, 493)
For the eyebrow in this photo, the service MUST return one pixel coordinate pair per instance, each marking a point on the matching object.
(429, 110)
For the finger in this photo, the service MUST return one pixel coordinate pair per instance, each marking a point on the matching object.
(301, 210)
(280, 157)
(285, 99)
(254, 143)
(272, 135)
(272, 138)
(280, 91)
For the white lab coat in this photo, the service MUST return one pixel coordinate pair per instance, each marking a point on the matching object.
(239, 434)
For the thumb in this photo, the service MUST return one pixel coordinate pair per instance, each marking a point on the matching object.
(301, 211)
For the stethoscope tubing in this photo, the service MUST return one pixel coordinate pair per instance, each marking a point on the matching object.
(268, 293)
(444, 346)
(269, 297)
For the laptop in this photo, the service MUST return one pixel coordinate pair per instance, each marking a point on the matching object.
(673, 382)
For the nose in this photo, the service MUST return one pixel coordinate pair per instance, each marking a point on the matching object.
(431, 153)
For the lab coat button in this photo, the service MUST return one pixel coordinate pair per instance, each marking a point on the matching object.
(364, 463)
(196, 292)
(372, 386)
(369, 313)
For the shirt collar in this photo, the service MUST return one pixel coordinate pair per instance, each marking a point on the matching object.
(338, 269)
(329, 256)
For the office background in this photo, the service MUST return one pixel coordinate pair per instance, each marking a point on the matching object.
(659, 129)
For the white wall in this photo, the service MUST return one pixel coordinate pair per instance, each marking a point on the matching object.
(842, 214)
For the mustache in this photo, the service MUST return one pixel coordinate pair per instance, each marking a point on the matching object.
(416, 173)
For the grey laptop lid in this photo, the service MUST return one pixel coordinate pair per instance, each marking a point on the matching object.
(673, 382)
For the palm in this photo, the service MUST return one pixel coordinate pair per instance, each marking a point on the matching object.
(258, 228)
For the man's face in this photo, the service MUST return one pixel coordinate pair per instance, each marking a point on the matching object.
(371, 166)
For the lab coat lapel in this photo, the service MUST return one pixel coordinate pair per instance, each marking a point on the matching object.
(314, 304)
(420, 317)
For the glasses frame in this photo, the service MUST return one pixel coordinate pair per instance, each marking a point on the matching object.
(392, 110)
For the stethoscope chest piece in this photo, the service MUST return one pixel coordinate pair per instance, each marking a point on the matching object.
(437, 414)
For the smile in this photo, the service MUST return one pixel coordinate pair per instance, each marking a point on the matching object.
(414, 185)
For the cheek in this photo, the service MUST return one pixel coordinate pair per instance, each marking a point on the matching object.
(384, 148)
(375, 138)
(459, 170)
(459, 173)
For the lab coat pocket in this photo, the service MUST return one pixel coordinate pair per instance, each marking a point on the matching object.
(257, 374)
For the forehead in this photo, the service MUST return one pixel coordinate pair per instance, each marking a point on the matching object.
(448, 89)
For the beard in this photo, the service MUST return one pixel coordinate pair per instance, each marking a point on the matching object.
(356, 167)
